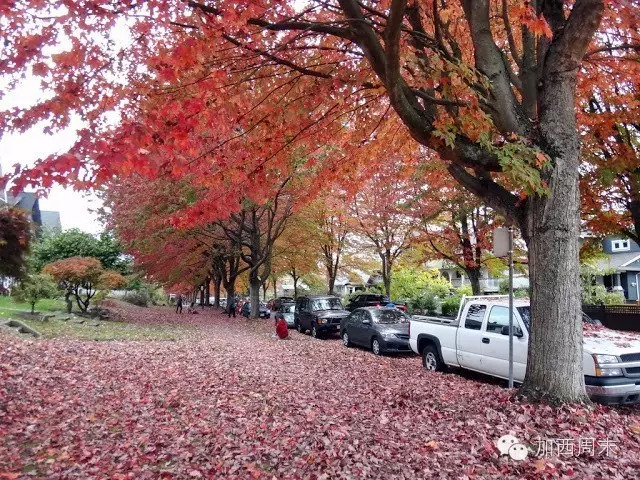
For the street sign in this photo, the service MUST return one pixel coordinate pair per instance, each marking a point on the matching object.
(501, 242)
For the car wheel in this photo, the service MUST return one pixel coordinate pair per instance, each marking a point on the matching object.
(431, 360)
(375, 347)
(346, 341)
(314, 332)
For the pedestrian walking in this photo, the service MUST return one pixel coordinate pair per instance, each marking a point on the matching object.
(179, 304)
(232, 307)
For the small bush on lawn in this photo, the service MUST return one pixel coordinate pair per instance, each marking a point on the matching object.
(138, 297)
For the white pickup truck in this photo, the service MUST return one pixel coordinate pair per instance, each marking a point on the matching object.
(478, 339)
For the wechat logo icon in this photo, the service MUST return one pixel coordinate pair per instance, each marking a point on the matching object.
(510, 445)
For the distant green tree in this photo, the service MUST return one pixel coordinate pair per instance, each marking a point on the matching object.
(35, 288)
(75, 243)
(414, 282)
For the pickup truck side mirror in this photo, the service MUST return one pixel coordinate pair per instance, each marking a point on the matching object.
(517, 331)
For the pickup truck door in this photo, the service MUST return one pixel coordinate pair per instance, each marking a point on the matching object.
(469, 337)
(495, 347)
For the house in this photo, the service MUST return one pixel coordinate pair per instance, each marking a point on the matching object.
(488, 282)
(621, 266)
(29, 202)
(342, 287)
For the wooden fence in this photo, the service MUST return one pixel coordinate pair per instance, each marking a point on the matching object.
(617, 317)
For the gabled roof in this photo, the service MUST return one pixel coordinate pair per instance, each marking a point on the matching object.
(620, 262)
(24, 200)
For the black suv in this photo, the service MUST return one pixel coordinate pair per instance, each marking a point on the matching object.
(367, 300)
(319, 313)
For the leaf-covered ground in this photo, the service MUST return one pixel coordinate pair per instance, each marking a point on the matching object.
(227, 400)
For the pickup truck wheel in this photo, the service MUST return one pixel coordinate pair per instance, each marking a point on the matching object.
(346, 341)
(375, 347)
(431, 359)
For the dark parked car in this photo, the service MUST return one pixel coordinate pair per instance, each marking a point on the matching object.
(381, 329)
(264, 311)
(367, 300)
(286, 312)
(319, 313)
(277, 302)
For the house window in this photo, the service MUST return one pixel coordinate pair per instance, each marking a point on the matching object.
(620, 245)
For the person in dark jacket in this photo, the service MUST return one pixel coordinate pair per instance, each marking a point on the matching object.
(232, 307)
(179, 304)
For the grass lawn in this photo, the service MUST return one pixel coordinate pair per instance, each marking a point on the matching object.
(108, 330)
(46, 305)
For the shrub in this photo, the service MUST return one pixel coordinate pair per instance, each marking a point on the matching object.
(35, 288)
(425, 304)
(451, 305)
(598, 295)
(137, 297)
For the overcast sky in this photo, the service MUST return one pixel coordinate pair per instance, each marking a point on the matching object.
(76, 209)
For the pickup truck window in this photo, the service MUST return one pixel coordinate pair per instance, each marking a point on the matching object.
(475, 315)
(498, 318)
(525, 315)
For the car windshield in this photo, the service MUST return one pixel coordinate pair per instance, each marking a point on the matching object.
(326, 304)
(289, 308)
(389, 316)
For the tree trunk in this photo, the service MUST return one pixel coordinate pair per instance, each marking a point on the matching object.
(554, 363)
(295, 287)
(207, 291)
(67, 299)
(275, 288)
(332, 283)
(474, 279)
(386, 272)
(230, 288)
(216, 292)
(33, 308)
(254, 294)
(202, 296)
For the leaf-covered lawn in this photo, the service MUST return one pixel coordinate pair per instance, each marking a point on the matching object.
(227, 400)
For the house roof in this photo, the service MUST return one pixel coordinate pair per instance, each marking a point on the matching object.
(25, 200)
(620, 262)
